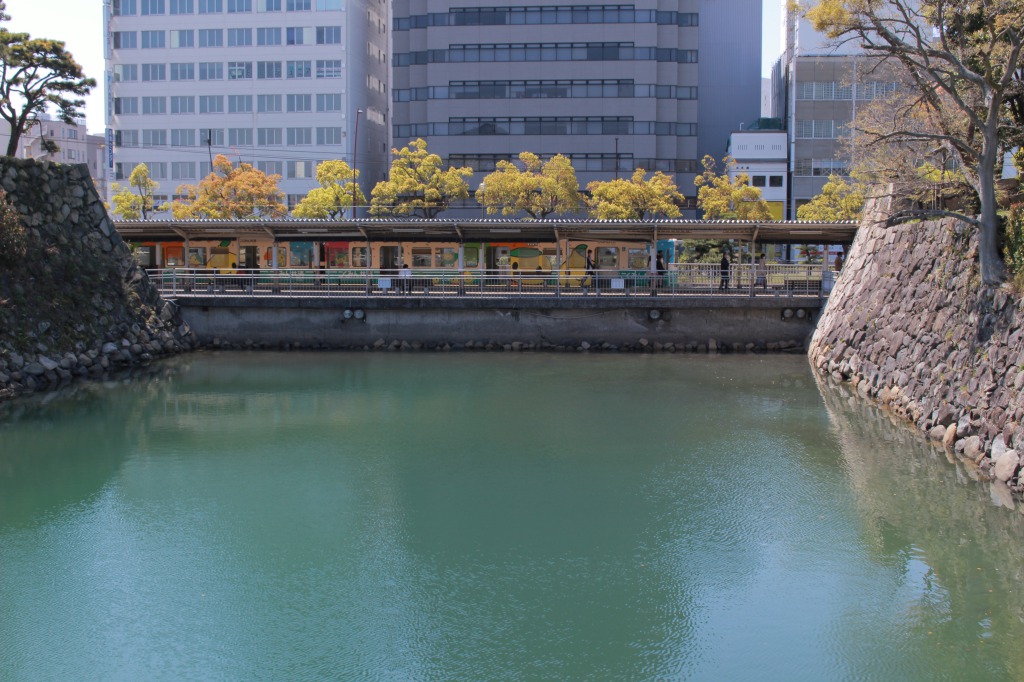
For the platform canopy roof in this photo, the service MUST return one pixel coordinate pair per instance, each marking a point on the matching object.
(490, 230)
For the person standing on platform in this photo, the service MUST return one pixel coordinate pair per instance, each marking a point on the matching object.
(723, 284)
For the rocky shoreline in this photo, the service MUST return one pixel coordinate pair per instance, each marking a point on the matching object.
(77, 304)
(909, 326)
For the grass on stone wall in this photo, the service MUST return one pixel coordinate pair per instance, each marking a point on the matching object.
(1013, 247)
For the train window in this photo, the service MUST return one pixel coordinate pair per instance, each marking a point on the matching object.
(358, 256)
(446, 257)
(337, 257)
(471, 256)
(172, 256)
(638, 259)
(301, 254)
(607, 257)
(197, 257)
(421, 256)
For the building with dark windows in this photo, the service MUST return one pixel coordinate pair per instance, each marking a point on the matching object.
(280, 84)
(651, 84)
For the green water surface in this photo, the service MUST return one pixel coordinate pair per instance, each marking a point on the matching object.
(493, 517)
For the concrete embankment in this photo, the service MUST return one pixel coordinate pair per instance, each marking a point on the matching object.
(669, 323)
(76, 303)
(910, 326)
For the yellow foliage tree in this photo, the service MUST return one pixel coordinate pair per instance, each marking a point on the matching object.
(540, 189)
(139, 204)
(722, 198)
(636, 198)
(838, 200)
(334, 195)
(417, 184)
(231, 192)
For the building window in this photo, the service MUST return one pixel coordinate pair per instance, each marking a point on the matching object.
(301, 169)
(329, 135)
(299, 35)
(239, 70)
(154, 138)
(154, 105)
(757, 180)
(328, 68)
(239, 6)
(152, 40)
(775, 181)
(268, 36)
(268, 70)
(300, 102)
(211, 37)
(183, 170)
(157, 171)
(126, 40)
(211, 104)
(211, 137)
(300, 69)
(126, 138)
(299, 5)
(268, 5)
(211, 71)
(300, 136)
(269, 137)
(152, 7)
(154, 72)
(183, 104)
(182, 6)
(328, 4)
(124, 8)
(211, 6)
(239, 37)
(126, 72)
(183, 72)
(821, 129)
(270, 167)
(328, 102)
(268, 103)
(183, 38)
(126, 105)
(328, 35)
(239, 104)
(183, 137)
(239, 137)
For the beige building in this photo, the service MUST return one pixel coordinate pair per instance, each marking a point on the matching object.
(74, 144)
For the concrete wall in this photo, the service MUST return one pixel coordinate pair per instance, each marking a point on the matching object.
(719, 325)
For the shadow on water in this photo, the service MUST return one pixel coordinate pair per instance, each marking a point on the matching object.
(958, 540)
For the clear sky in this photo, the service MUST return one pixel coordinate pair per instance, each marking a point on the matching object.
(79, 23)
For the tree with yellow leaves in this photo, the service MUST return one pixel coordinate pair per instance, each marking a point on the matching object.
(838, 200)
(539, 189)
(417, 184)
(231, 192)
(138, 204)
(721, 198)
(334, 195)
(636, 198)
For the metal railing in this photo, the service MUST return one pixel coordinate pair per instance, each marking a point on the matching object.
(692, 279)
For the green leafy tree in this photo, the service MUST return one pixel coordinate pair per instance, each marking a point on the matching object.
(418, 185)
(231, 192)
(13, 239)
(334, 196)
(838, 200)
(138, 204)
(35, 75)
(539, 189)
(636, 198)
(964, 63)
(722, 198)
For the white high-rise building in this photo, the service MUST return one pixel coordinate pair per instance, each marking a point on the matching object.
(280, 84)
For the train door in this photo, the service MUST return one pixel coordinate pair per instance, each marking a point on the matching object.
(499, 257)
(145, 255)
(248, 256)
(390, 257)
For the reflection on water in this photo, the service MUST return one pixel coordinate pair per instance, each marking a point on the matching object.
(362, 516)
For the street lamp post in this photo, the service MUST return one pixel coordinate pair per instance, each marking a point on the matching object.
(355, 147)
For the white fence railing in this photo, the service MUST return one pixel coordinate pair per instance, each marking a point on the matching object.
(680, 279)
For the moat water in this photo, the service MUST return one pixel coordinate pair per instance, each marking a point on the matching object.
(491, 516)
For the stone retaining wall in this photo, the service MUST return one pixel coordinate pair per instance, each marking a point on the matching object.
(78, 304)
(909, 325)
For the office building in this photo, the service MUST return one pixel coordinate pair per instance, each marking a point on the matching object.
(280, 84)
(649, 84)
